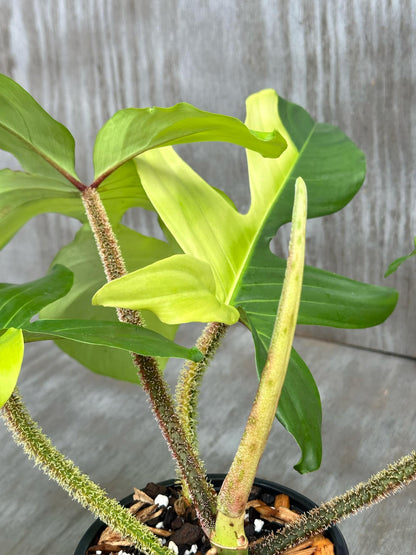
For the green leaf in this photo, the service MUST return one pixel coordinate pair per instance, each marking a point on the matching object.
(23, 196)
(236, 246)
(19, 303)
(132, 131)
(41, 144)
(176, 288)
(82, 258)
(122, 190)
(394, 265)
(116, 335)
(299, 409)
(11, 357)
(300, 413)
(327, 299)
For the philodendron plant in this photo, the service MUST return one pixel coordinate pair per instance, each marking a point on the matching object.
(215, 267)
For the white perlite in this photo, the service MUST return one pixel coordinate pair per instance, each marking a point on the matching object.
(173, 547)
(258, 525)
(162, 500)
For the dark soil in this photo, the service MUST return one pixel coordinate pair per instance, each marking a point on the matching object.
(177, 526)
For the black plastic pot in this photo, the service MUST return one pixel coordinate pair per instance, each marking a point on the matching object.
(298, 502)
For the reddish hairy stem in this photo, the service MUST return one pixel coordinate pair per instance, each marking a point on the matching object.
(192, 470)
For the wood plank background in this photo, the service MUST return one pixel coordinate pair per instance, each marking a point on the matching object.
(105, 426)
(351, 63)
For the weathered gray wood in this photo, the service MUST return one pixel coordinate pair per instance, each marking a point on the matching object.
(349, 63)
(107, 428)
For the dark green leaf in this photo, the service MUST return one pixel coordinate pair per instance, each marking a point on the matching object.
(41, 144)
(113, 334)
(19, 303)
(299, 407)
(327, 299)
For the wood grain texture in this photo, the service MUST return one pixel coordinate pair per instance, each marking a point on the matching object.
(349, 63)
(107, 428)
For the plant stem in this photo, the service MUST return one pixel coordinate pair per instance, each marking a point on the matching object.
(188, 387)
(38, 447)
(236, 488)
(381, 485)
(108, 247)
(190, 379)
(191, 467)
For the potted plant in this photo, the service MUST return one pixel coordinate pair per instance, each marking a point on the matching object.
(214, 267)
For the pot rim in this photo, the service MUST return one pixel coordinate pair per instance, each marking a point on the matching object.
(297, 500)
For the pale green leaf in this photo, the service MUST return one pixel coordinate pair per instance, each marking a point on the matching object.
(11, 357)
(236, 246)
(82, 258)
(23, 196)
(41, 144)
(132, 131)
(19, 303)
(122, 190)
(177, 289)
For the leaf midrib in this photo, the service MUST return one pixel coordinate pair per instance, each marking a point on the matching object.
(239, 276)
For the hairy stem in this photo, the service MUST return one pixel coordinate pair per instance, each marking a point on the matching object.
(379, 486)
(191, 467)
(236, 488)
(189, 383)
(108, 247)
(190, 379)
(38, 447)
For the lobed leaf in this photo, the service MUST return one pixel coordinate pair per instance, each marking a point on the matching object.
(132, 131)
(236, 246)
(19, 303)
